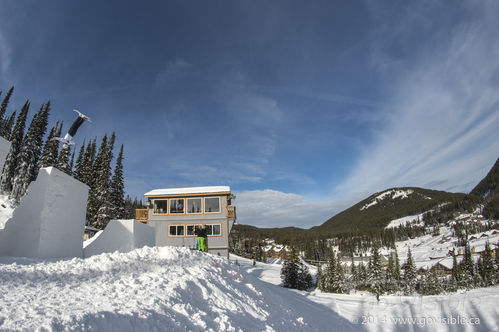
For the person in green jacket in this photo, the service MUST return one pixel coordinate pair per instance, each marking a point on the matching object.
(202, 240)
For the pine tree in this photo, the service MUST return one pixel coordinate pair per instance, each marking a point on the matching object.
(330, 273)
(7, 131)
(396, 268)
(289, 270)
(29, 153)
(375, 272)
(467, 269)
(78, 171)
(51, 148)
(63, 161)
(431, 284)
(305, 281)
(389, 275)
(88, 164)
(71, 163)
(100, 207)
(320, 278)
(3, 108)
(12, 159)
(488, 271)
(410, 274)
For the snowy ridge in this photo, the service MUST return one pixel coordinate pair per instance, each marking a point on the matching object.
(393, 194)
(172, 289)
(413, 220)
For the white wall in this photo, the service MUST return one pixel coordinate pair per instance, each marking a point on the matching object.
(4, 151)
(50, 220)
(120, 235)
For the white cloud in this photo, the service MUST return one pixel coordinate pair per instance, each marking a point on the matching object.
(443, 130)
(270, 208)
(173, 71)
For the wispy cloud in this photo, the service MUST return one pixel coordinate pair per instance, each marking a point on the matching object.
(443, 128)
(271, 208)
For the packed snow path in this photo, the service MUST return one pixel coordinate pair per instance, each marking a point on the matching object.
(151, 289)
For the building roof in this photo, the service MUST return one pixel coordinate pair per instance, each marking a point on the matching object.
(188, 191)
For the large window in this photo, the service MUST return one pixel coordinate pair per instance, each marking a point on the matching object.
(176, 230)
(212, 204)
(214, 230)
(160, 206)
(177, 205)
(194, 205)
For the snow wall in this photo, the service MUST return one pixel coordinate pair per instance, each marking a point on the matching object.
(120, 235)
(50, 220)
(4, 151)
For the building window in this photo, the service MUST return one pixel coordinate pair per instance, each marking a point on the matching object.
(212, 204)
(160, 206)
(177, 205)
(194, 205)
(176, 230)
(214, 230)
(190, 230)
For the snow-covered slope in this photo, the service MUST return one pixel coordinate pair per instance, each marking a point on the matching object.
(151, 289)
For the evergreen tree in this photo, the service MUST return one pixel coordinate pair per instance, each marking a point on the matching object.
(467, 269)
(305, 281)
(375, 278)
(320, 278)
(71, 163)
(488, 270)
(63, 161)
(456, 271)
(51, 148)
(341, 286)
(410, 274)
(389, 275)
(12, 160)
(431, 284)
(396, 268)
(290, 269)
(88, 164)
(7, 131)
(99, 208)
(330, 274)
(3, 108)
(78, 171)
(29, 153)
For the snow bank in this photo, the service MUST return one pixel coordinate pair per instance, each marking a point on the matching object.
(4, 151)
(393, 194)
(50, 219)
(152, 289)
(119, 235)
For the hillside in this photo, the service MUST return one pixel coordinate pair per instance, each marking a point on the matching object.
(488, 191)
(379, 209)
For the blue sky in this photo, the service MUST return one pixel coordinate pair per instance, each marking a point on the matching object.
(303, 108)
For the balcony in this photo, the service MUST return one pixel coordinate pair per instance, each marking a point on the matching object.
(142, 215)
(231, 212)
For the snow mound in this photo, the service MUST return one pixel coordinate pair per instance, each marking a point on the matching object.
(165, 288)
(393, 194)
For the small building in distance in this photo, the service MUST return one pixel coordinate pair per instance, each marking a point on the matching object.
(175, 213)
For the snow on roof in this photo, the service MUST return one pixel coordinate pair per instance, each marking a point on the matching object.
(190, 190)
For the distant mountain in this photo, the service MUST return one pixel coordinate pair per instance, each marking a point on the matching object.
(379, 209)
(488, 191)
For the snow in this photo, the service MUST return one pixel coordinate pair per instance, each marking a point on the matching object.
(475, 310)
(416, 219)
(119, 235)
(49, 221)
(393, 194)
(160, 288)
(191, 190)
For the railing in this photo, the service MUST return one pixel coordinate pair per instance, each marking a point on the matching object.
(231, 212)
(142, 215)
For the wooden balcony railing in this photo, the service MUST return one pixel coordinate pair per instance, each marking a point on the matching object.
(141, 215)
(231, 212)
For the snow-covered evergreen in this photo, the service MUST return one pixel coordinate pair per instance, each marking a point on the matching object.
(12, 160)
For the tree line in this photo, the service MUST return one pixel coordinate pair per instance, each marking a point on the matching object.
(29, 152)
(336, 277)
